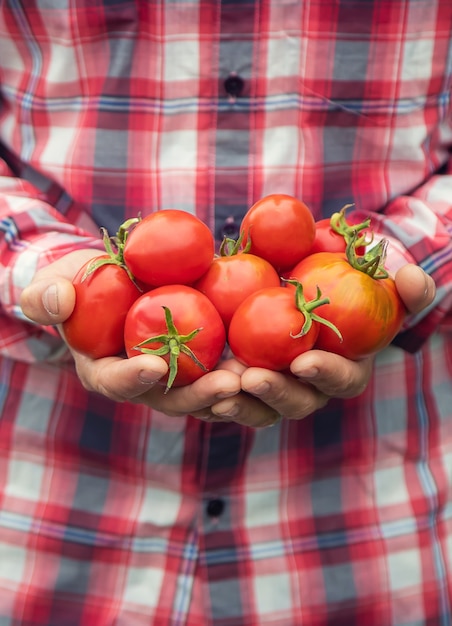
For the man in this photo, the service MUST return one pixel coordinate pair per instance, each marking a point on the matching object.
(118, 507)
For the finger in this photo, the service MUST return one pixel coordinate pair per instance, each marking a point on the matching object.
(197, 397)
(243, 408)
(136, 379)
(120, 379)
(48, 301)
(50, 297)
(284, 394)
(247, 410)
(206, 415)
(416, 288)
(331, 374)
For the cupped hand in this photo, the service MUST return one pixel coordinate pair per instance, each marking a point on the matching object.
(137, 380)
(316, 376)
(50, 299)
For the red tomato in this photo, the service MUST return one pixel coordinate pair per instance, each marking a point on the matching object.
(367, 311)
(102, 301)
(281, 230)
(272, 327)
(180, 324)
(333, 233)
(169, 247)
(327, 240)
(230, 279)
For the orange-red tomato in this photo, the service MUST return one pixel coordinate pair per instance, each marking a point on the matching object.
(367, 311)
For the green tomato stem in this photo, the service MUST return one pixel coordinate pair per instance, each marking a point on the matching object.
(114, 247)
(372, 262)
(339, 224)
(231, 247)
(307, 308)
(173, 344)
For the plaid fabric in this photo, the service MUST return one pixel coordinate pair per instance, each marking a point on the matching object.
(117, 515)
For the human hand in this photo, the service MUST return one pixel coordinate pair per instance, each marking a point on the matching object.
(316, 376)
(50, 299)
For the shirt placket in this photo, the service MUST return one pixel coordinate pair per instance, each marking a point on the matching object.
(220, 566)
(234, 117)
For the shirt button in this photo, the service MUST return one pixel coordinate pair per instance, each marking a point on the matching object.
(234, 85)
(215, 507)
(230, 229)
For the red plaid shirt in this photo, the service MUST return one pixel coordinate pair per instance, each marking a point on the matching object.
(112, 514)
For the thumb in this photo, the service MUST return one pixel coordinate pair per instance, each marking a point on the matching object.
(50, 297)
(416, 288)
(48, 301)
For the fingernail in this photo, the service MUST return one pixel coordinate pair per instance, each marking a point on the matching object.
(311, 372)
(50, 300)
(230, 411)
(147, 378)
(274, 422)
(426, 290)
(260, 389)
(226, 394)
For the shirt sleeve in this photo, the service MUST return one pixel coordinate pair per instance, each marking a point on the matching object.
(32, 235)
(418, 228)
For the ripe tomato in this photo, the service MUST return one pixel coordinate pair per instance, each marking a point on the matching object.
(281, 230)
(333, 233)
(169, 247)
(181, 325)
(273, 326)
(367, 310)
(102, 300)
(230, 279)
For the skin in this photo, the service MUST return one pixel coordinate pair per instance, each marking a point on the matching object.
(253, 397)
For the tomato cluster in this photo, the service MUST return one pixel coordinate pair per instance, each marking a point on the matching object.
(287, 285)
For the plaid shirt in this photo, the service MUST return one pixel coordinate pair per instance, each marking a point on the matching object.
(113, 514)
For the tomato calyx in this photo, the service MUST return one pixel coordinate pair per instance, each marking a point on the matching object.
(340, 225)
(306, 308)
(371, 262)
(173, 344)
(114, 247)
(231, 247)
